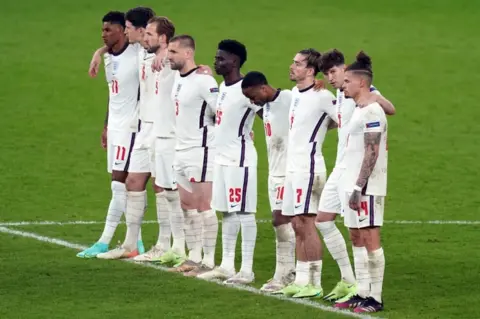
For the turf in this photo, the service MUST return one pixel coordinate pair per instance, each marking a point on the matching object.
(53, 168)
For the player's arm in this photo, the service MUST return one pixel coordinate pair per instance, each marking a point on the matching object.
(105, 128)
(386, 105)
(96, 61)
(373, 127)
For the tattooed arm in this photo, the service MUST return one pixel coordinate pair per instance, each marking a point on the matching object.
(372, 143)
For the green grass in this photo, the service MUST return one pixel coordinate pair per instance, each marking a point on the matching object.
(53, 168)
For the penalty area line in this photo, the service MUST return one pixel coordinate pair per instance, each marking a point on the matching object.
(304, 302)
(260, 221)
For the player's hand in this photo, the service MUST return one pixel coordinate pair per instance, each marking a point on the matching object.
(319, 85)
(104, 138)
(94, 65)
(204, 69)
(354, 201)
(252, 135)
(158, 64)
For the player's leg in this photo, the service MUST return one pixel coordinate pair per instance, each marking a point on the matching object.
(163, 182)
(118, 156)
(177, 219)
(138, 166)
(209, 227)
(372, 207)
(230, 227)
(284, 239)
(330, 206)
(116, 207)
(360, 259)
(242, 200)
(202, 191)
(192, 227)
(307, 189)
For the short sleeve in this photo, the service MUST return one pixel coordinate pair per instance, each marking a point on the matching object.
(327, 102)
(374, 120)
(209, 90)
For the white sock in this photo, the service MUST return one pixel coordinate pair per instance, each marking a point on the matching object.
(302, 273)
(209, 236)
(249, 237)
(360, 259)
(230, 228)
(116, 209)
(285, 251)
(134, 216)
(376, 268)
(338, 249)
(176, 222)
(193, 234)
(316, 272)
(163, 218)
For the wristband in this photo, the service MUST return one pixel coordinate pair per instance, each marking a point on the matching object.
(357, 188)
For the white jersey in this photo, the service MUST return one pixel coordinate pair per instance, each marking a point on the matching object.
(121, 71)
(161, 107)
(275, 120)
(194, 96)
(345, 108)
(310, 115)
(233, 124)
(147, 86)
(370, 118)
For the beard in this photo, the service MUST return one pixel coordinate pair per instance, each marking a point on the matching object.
(153, 49)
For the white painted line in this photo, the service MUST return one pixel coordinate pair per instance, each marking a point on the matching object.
(304, 302)
(260, 221)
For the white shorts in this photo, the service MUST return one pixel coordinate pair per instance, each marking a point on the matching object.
(163, 158)
(332, 199)
(302, 193)
(193, 165)
(142, 158)
(370, 214)
(119, 150)
(234, 189)
(276, 190)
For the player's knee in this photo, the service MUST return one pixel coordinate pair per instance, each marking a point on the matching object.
(298, 225)
(356, 238)
(278, 219)
(136, 182)
(119, 176)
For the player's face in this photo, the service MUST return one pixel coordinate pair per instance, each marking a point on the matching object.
(133, 33)
(352, 84)
(298, 69)
(111, 34)
(151, 38)
(176, 55)
(224, 62)
(335, 76)
(256, 94)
